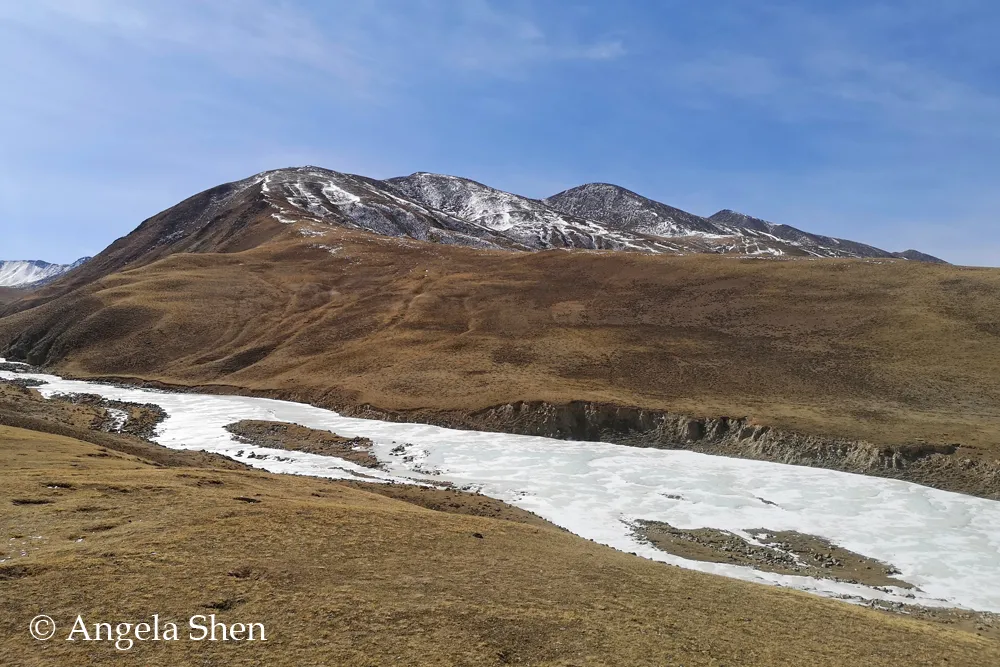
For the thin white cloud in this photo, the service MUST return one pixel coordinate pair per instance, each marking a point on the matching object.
(806, 66)
(364, 44)
(249, 37)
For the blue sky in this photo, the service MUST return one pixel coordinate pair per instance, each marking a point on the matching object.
(875, 121)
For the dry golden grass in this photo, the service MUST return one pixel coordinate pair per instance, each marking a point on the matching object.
(9, 294)
(887, 351)
(340, 576)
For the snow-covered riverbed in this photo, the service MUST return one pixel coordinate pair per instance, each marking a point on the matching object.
(946, 544)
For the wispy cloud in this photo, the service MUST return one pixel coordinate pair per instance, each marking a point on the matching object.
(803, 65)
(363, 44)
(487, 38)
(249, 37)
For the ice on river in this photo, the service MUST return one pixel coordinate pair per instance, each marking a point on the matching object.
(946, 544)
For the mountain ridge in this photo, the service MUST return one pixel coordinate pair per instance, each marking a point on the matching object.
(27, 273)
(447, 210)
(530, 222)
(628, 210)
(821, 246)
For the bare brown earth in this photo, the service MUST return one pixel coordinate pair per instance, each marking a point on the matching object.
(453, 501)
(874, 366)
(277, 435)
(141, 420)
(341, 576)
(9, 294)
(785, 552)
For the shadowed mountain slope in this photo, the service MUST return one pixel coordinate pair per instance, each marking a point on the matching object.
(625, 210)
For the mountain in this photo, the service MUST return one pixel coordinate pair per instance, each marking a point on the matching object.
(810, 244)
(528, 222)
(624, 210)
(422, 296)
(306, 201)
(918, 256)
(324, 196)
(445, 210)
(726, 232)
(21, 273)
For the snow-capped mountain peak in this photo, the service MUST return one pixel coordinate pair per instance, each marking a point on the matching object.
(25, 273)
(467, 199)
(604, 216)
(817, 245)
(530, 222)
(624, 210)
(333, 197)
(441, 209)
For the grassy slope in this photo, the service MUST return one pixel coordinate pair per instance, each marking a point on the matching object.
(342, 576)
(889, 351)
(9, 294)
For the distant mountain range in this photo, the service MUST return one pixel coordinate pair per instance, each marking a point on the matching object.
(598, 216)
(441, 209)
(27, 273)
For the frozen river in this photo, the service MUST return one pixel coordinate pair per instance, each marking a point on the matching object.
(946, 545)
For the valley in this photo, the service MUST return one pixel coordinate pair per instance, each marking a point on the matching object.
(311, 558)
(483, 333)
(600, 491)
(595, 365)
(861, 365)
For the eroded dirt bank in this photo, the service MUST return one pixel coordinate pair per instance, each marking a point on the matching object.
(950, 467)
(784, 552)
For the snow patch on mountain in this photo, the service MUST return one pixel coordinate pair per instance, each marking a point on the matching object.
(530, 222)
(331, 197)
(816, 245)
(458, 211)
(726, 232)
(25, 273)
(623, 210)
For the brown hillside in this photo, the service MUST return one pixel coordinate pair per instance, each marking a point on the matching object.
(888, 351)
(10, 294)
